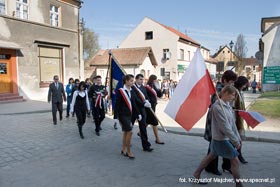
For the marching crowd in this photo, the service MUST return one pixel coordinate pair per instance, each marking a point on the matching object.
(137, 101)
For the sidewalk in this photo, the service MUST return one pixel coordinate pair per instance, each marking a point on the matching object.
(268, 131)
(26, 107)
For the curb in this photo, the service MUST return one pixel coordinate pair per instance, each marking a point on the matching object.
(30, 112)
(250, 138)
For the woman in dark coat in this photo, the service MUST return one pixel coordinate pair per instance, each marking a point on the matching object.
(80, 105)
(239, 104)
(153, 93)
(125, 109)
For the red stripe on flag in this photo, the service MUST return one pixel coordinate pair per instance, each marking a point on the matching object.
(196, 104)
(250, 120)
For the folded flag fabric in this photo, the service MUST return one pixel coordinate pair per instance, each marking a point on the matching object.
(117, 74)
(252, 118)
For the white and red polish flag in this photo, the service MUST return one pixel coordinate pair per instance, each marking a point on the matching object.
(252, 118)
(191, 98)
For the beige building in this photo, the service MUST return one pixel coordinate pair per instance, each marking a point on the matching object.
(252, 69)
(133, 60)
(226, 60)
(173, 50)
(38, 39)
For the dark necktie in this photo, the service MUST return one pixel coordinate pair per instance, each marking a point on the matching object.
(127, 93)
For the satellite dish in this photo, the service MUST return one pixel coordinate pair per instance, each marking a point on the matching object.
(259, 55)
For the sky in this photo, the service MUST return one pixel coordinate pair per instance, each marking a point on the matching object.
(212, 23)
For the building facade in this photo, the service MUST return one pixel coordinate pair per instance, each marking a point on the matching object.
(252, 69)
(270, 46)
(133, 61)
(226, 60)
(173, 50)
(39, 39)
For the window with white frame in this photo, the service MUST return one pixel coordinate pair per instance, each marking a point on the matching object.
(181, 57)
(189, 56)
(54, 16)
(2, 7)
(50, 63)
(166, 54)
(149, 35)
(22, 9)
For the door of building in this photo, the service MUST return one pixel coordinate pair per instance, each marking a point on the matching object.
(5, 76)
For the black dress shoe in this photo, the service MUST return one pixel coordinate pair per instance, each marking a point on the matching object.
(217, 172)
(54, 123)
(228, 170)
(97, 133)
(242, 160)
(124, 154)
(115, 126)
(159, 142)
(148, 149)
(130, 157)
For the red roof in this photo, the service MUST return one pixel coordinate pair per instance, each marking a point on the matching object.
(211, 60)
(178, 33)
(181, 35)
(125, 56)
(250, 61)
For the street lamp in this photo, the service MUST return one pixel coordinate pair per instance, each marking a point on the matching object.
(231, 45)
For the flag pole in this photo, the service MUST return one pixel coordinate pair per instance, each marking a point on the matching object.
(112, 56)
(108, 69)
(158, 120)
(220, 103)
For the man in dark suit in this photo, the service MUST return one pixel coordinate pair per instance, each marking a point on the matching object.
(142, 102)
(96, 93)
(56, 92)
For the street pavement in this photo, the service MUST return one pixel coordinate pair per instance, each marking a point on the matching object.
(35, 153)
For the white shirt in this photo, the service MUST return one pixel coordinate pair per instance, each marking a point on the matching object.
(138, 85)
(82, 94)
(128, 90)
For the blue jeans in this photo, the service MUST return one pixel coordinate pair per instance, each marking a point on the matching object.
(69, 100)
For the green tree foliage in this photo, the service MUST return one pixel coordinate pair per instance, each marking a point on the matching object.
(91, 44)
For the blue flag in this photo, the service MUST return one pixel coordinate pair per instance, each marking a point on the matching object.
(116, 79)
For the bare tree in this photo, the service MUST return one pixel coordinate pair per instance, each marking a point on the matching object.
(91, 44)
(240, 51)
